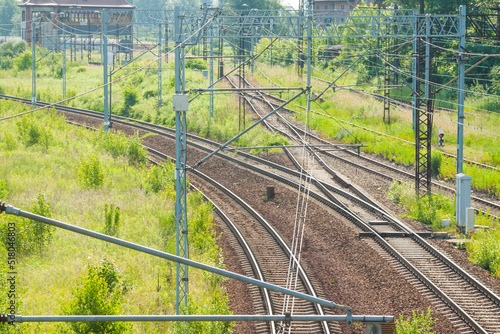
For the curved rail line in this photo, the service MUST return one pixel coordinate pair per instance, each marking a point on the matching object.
(478, 320)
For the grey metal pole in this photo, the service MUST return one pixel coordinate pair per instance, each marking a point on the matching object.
(10, 210)
(427, 58)
(309, 57)
(105, 67)
(252, 42)
(461, 87)
(33, 65)
(160, 35)
(64, 69)
(180, 175)
(211, 71)
(368, 319)
(414, 70)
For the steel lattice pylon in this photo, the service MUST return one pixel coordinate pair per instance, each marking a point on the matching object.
(423, 126)
(182, 248)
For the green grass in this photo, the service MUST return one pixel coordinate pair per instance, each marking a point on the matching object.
(136, 96)
(430, 210)
(484, 250)
(420, 323)
(48, 277)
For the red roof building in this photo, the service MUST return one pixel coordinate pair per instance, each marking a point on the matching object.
(53, 19)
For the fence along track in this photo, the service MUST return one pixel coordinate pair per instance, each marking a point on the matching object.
(467, 280)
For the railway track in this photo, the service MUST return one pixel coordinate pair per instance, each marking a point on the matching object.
(425, 261)
(265, 255)
(359, 161)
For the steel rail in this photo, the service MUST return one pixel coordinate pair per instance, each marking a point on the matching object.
(248, 252)
(406, 104)
(409, 175)
(379, 239)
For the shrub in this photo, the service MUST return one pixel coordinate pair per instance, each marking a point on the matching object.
(19, 47)
(10, 141)
(216, 304)
(3, 189)
(429, 210)
(23, 61)
(6, 63)
(32, 132)
(200, 224)
(98, 293)
(199, 64)
(150, 93)
(484, 250)
(111, 219)
(130, 96)
(160, 176)
(81, 70)
(396, 191)
(30, 236)
(115, 143)
(90, 172)
(130, 99)
(136, 153)
(436, 160)
(56, 71)
(421, 323)
(42, 232)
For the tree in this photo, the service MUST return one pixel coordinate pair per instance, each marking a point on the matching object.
(150, 4)
(255, 4)
(434, 6)
(9, 11)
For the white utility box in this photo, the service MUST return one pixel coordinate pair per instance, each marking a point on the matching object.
(180, 102)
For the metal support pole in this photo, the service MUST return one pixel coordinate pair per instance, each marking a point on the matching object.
(414, 70)
(427, 57)
(180, 175)
(105, 67)
(367, 319)
(64, 68)
(211, 71)
(252, 41)
(33, 66)
(160, 46)
(461, 87)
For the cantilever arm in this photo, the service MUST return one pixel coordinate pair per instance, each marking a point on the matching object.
(248, 129)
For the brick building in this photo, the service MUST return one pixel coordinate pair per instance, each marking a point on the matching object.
(78, 18)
